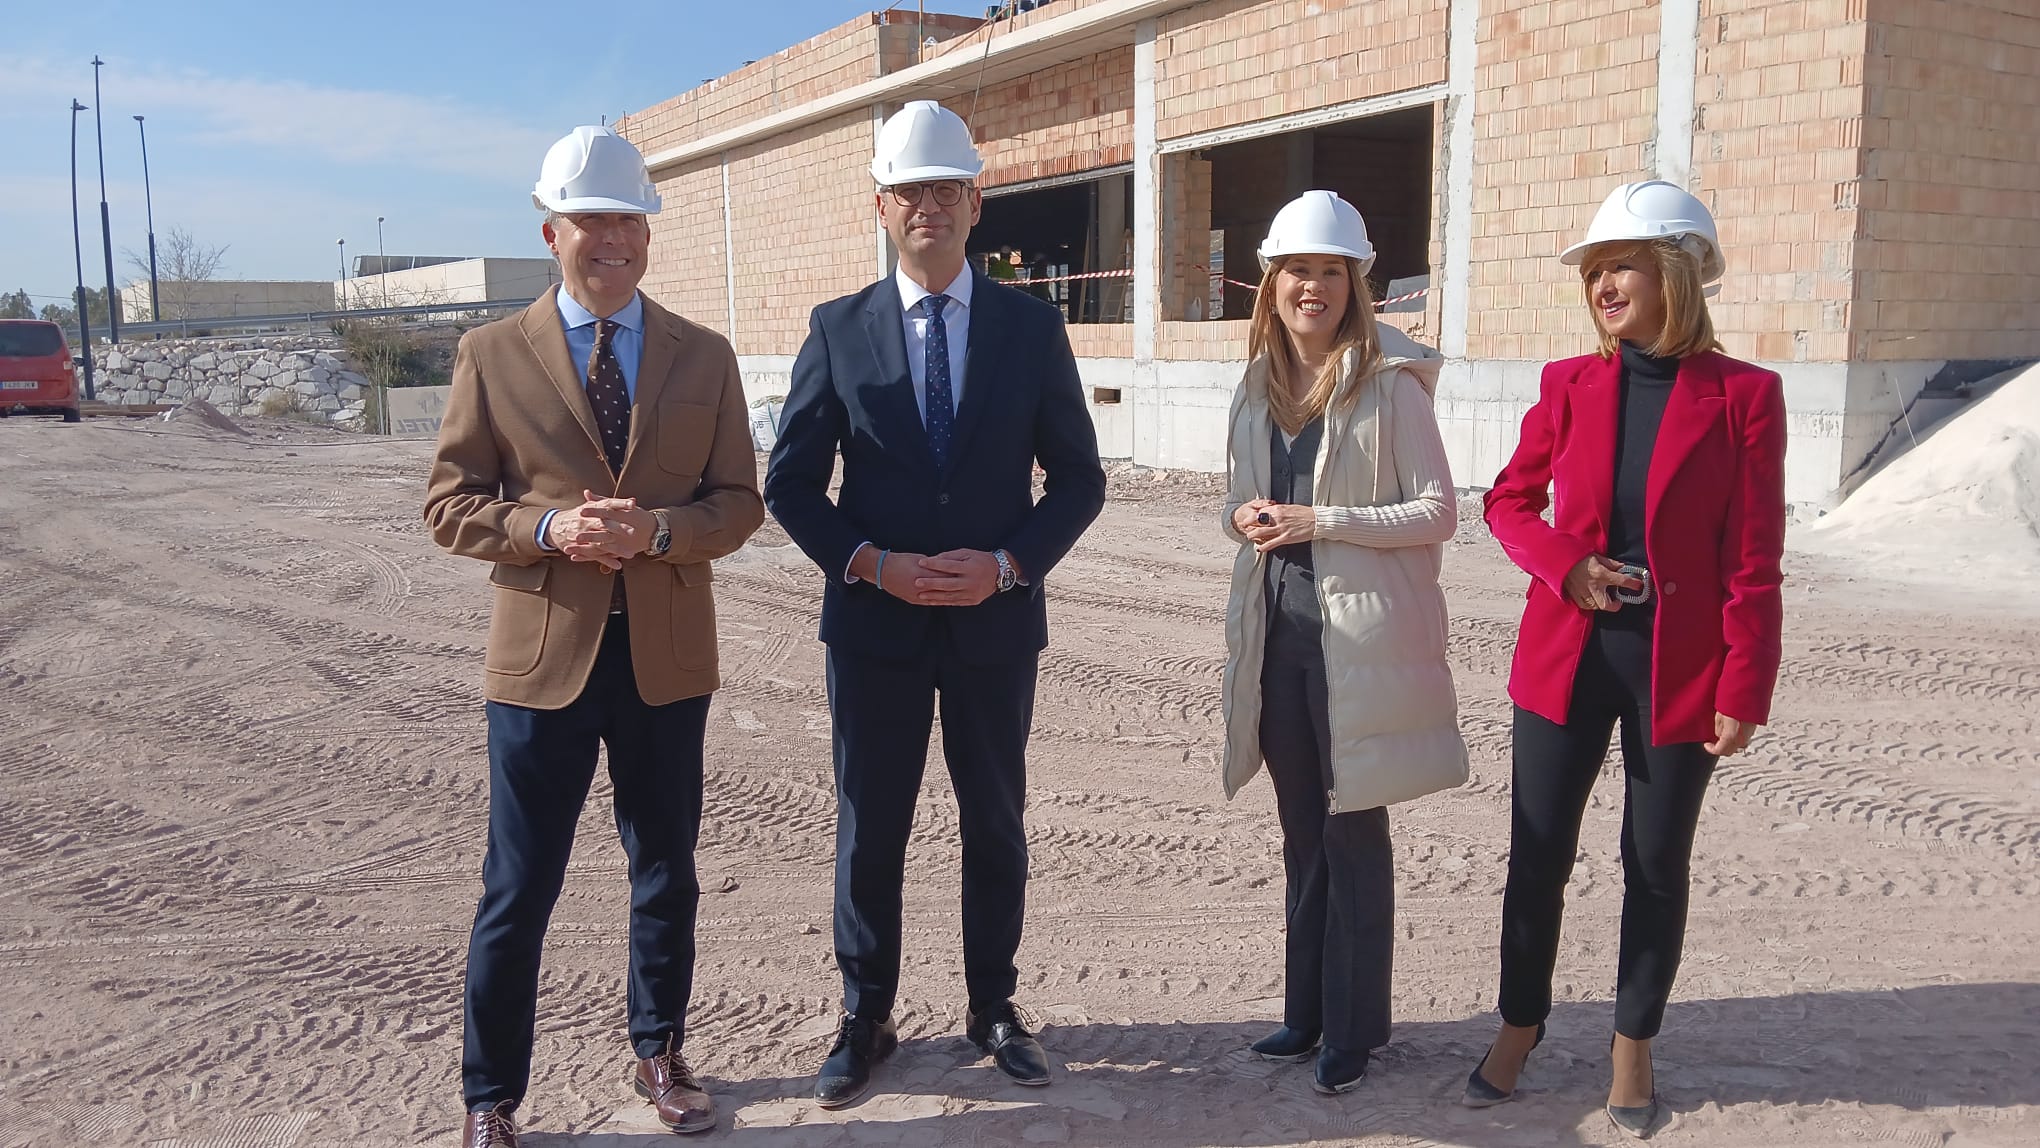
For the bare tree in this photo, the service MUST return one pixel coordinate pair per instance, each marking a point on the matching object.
(180, 259)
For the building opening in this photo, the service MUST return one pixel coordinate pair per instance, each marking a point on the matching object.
(1037, 235)
(1380, 164)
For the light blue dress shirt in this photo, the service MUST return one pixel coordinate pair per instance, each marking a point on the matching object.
(628, 343)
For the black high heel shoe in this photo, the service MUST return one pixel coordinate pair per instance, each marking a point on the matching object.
(1479, 1093)
(1636, 1121)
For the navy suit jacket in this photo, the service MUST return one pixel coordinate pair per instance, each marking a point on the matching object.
(1022, 404)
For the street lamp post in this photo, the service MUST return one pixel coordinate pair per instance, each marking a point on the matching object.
(78, 250)
(343, 273)
(382, 264)
(105, 219)
(148, 201)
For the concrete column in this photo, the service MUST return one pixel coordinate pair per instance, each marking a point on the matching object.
(883, 241)
(1462, 54)
(1678, 68)
(1143, 398)
(729, 250)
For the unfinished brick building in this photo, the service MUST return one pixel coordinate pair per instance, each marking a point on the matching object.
(1874, 166)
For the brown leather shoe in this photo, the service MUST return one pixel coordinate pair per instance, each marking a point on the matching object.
(665, 1080)
(491, 1127)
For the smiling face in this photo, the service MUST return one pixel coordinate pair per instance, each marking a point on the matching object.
(1626, 292)
(1312, 293)
(602, 256)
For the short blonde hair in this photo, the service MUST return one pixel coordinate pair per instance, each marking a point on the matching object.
(1688, 329)
(1267, 336)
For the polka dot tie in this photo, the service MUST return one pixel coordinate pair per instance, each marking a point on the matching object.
(608, 395)
(941, 402)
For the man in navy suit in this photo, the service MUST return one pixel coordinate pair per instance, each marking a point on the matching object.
(942, 390)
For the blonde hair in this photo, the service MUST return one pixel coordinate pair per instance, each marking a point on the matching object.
(1267, 336)
(1688, 329)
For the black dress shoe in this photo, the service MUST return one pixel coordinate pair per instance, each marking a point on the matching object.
(860, 1044)
(998, 1033)
(1638, 1122)
(1339, 1070)
(1286, 1045)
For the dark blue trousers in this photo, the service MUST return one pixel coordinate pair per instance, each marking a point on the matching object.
(541, 763)
(883, 714)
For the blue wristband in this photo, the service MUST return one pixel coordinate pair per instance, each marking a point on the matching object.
(878, 579)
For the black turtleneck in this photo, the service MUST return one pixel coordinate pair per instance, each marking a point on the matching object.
(1646, 384)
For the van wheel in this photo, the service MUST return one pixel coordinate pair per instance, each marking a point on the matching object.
(71, 415)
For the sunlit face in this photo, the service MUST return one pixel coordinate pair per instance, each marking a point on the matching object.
(923, 228)
(601, 254)
(1626, 292)
(1312, 293)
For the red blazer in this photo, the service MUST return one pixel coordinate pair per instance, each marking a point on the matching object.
(1714, 529)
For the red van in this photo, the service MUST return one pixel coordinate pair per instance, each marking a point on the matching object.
(36, 373)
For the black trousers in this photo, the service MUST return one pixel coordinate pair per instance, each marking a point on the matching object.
(541, 763)
(1339, 898)
(1664, 787)
(883, 713)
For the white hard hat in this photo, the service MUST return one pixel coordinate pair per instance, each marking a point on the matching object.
(1654, 209)
(922, 141)
(1318, 223)
(594, 169)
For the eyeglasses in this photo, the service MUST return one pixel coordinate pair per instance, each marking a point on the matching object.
(947, 193)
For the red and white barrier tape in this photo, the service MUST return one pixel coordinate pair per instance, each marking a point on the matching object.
(1125, 274)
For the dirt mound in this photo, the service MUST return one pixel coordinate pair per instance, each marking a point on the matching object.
(198, 412)
(1964, 502)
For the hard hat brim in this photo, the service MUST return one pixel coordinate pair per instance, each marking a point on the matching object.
(1713, 264)
(597, 204)
(923, 174)
(1270, 254)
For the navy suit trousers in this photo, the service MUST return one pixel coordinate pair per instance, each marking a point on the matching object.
(883, 712)
(541, 764)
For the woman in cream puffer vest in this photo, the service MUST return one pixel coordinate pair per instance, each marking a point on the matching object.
(1341, 500)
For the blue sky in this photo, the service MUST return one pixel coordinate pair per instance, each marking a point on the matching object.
(278, 128)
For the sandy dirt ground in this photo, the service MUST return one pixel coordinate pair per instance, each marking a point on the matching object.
(243, 790)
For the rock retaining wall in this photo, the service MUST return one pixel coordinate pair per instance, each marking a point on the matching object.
(304, 376)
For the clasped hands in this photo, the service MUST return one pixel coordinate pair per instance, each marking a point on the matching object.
(1591, 584)
(605, 531)
(1287, 523)
(951, 578)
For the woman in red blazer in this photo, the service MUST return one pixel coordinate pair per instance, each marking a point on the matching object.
(1653, 604)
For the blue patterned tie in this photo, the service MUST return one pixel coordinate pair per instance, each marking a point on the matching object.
(941, 406)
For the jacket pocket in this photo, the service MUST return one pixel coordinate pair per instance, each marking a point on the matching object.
(686, 431)
(693, 603)
(517, 624)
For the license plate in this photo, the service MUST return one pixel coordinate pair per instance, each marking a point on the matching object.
(19, 385)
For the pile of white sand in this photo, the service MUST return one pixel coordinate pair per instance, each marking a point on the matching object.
(1963, 505)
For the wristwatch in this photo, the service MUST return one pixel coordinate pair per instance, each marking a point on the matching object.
(1007, 575)
(662, 537)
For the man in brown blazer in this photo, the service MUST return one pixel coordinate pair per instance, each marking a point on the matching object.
(596, 449)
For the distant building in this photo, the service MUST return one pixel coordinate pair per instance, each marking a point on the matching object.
(424, 280)
(226, 298)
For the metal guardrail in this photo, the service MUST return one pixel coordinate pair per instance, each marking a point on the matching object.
(312, 319)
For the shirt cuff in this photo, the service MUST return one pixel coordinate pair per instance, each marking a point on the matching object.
(848, 577)
(544, 524)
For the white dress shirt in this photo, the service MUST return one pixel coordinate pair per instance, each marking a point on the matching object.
(956, 325)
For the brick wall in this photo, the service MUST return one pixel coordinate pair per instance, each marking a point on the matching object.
(1228, 62)
(804, 223)
(1566, 110)
(1948, 266)
(1070, 118)
(687, 272)
(1778, 126)
(842, 57)
(1186, 238)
